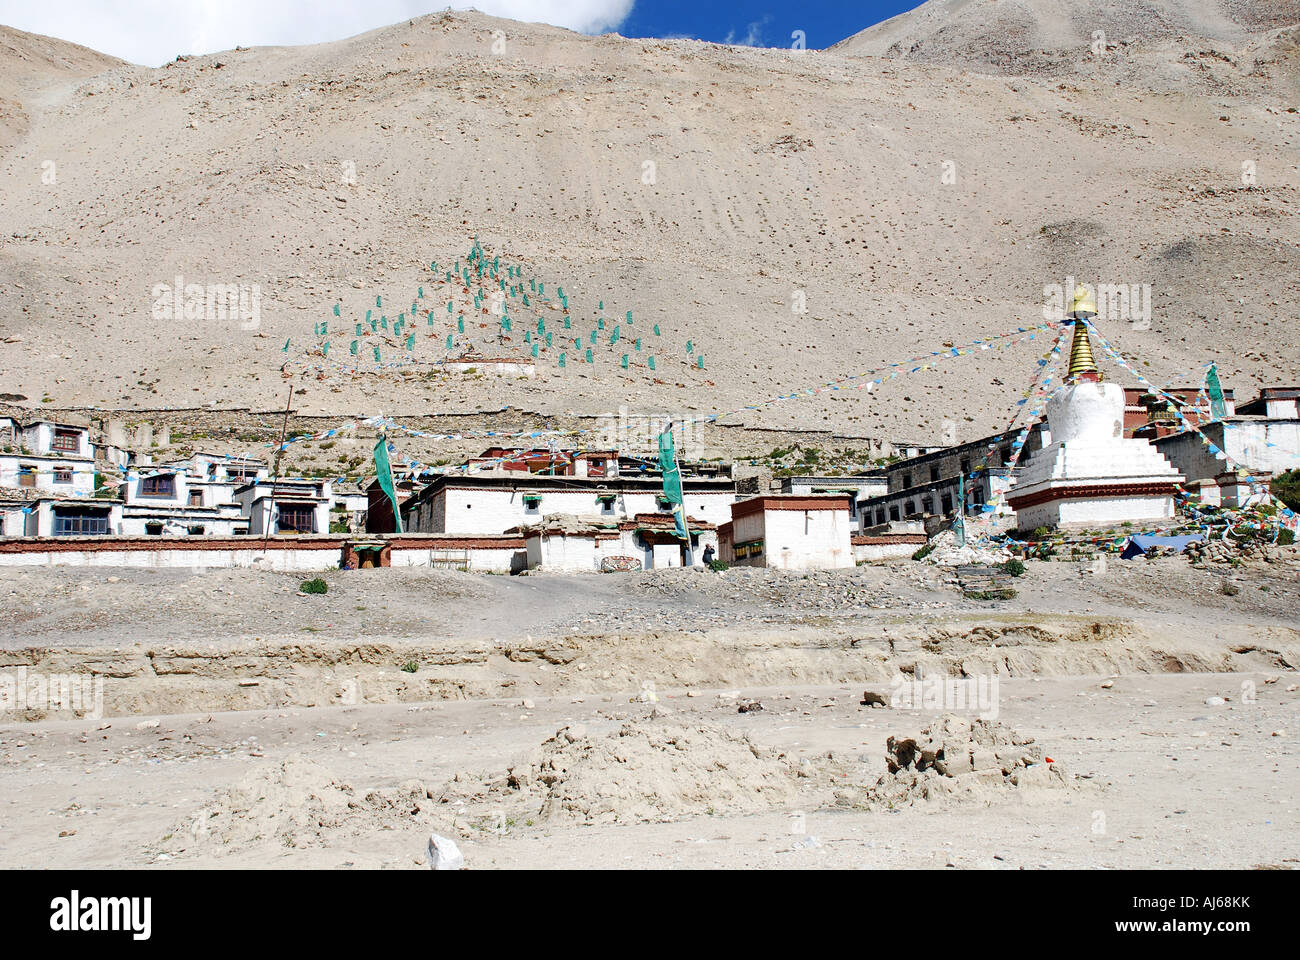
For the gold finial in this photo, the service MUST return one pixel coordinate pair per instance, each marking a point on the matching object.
(1082, 366)
(1084, 305)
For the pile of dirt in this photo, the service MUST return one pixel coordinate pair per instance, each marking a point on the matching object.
(297, 804)
(641, 772)
(960, 759)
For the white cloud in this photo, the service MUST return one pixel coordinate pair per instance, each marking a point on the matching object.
(155, 31)
(753, 34)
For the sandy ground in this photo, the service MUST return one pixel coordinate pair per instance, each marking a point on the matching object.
(1114, 676)
(1163, 769)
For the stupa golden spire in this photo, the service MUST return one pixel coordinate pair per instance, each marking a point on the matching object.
(1082, 365)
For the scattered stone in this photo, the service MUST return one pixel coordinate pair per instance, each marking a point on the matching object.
(872, 699)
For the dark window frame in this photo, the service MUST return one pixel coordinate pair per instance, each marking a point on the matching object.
(303, 514)
(161, 485)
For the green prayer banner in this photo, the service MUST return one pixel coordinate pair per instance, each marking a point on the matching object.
(384, 473)
(1218, 409)
(672, 482)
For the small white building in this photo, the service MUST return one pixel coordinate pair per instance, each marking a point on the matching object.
(590, 544)
(1263, 443)
(296, 506)
(495, 503)
(44, 455)
(789, 532)
(53, 516)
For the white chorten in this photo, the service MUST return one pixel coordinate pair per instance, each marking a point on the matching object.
(1091, 474)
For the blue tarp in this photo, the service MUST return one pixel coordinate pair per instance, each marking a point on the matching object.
(1140, 543)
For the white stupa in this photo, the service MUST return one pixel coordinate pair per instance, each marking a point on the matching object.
(1090, 474)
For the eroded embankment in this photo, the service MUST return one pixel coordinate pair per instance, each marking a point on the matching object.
(270, 672)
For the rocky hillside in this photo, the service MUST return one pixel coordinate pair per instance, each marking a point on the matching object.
(910, 202)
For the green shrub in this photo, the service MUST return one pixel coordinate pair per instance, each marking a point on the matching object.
(1014, 567)
(314, 585)
(719, 565)
(410, 666)
(1229, 589)
(923, 552)
(1286, 487)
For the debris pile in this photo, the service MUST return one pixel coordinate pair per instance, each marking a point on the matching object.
(640, 772)
(945, 553)
(1228, 551)
(963, 759)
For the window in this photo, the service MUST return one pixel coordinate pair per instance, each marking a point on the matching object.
(196, 498)
(595, 467)
(927, 505)
(907, 480)
(965, 467)
(297, 518)
(934, 474)
(154, 528)
(26, 475)
(196, 530)
(62, 474)
(947, 503)
(880, 516)
(894, 513)
(79, 522)
(160, 485)
(66, 440)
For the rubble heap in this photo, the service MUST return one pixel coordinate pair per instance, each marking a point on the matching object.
(945, 552)
(1226, 551)
(964, 759)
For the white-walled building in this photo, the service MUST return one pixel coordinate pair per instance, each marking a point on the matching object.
(52, 516)
(596, 544)
(495, 503)
(789, 532)
(295, 506)
(44, 455)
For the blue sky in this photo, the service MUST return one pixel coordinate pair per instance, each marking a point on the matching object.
(760, 23)
(153, 32)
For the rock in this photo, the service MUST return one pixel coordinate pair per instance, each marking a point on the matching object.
(1214, 701)
(749, 706)
(528, 704)
(443, 854)
(870, 699)
(146, 724)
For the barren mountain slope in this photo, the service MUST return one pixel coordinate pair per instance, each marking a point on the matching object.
(915, 204)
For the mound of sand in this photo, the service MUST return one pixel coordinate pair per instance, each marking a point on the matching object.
(297, 804)
(959, 759)
(641, 772)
